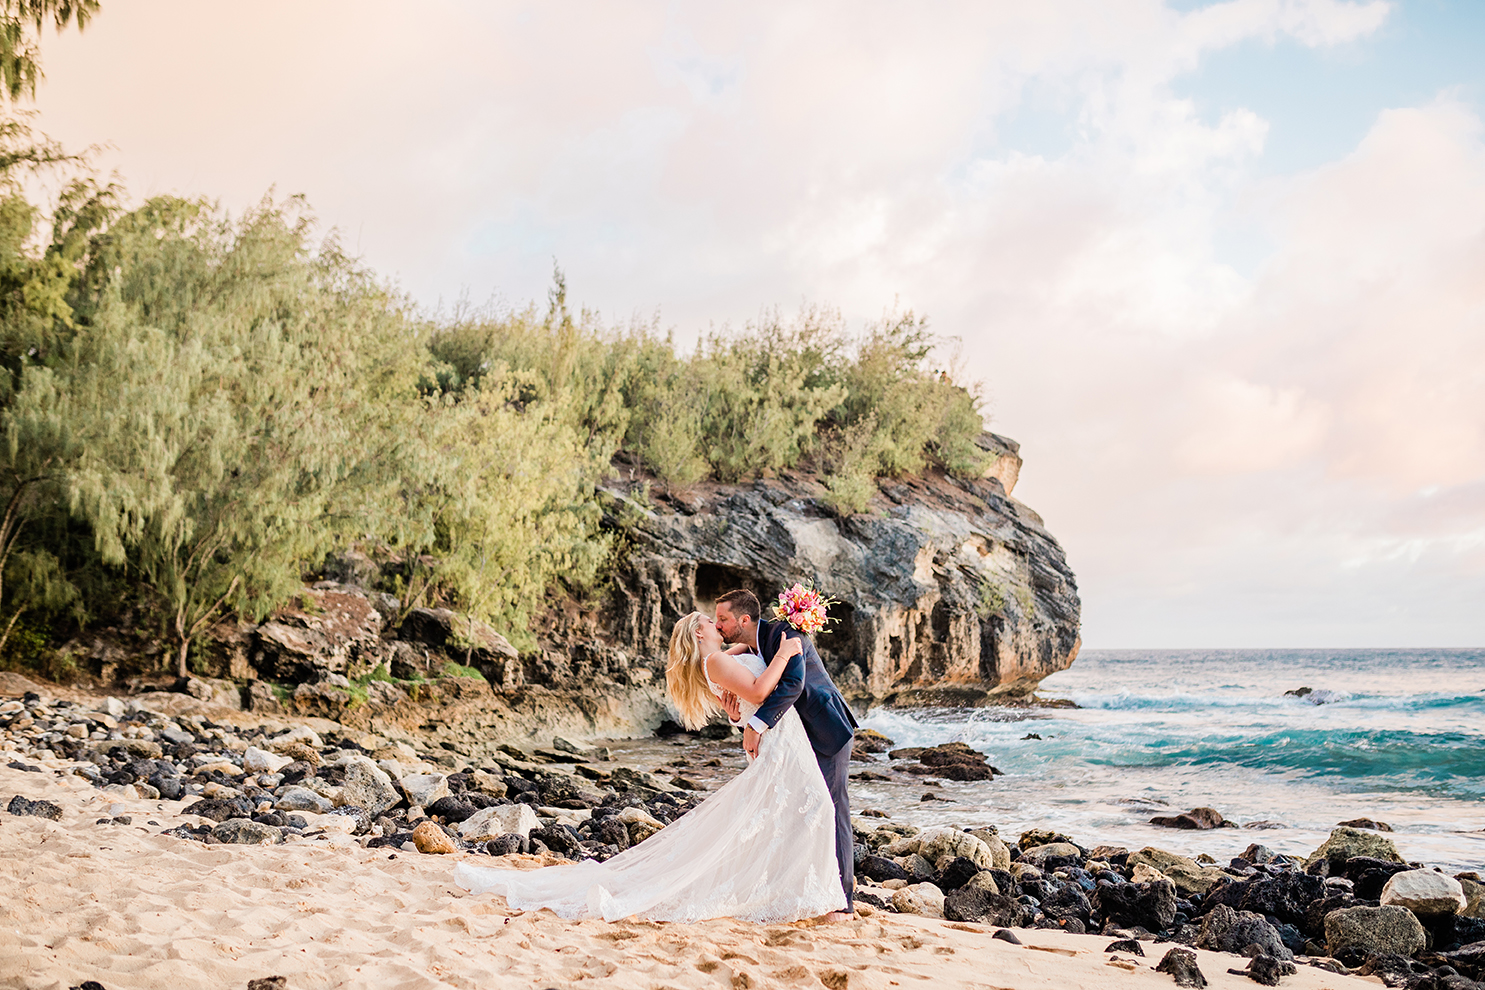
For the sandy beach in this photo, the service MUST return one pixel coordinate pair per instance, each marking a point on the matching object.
(130, 908)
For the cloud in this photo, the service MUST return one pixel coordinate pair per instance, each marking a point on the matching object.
(1290, 452)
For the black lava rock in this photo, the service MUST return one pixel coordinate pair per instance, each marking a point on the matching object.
(507, 844)
(611, 831)
(976, 904)
(1151, 905)
(1267, 970)
(1181, 965)
(41, 809)
(956, 874)
(1285, 897)
(1129, 945)
(360, 814)
(880, 869)
(451, 809)
(219, 811)
(558, 838)
(1226, 930)
(395, 840)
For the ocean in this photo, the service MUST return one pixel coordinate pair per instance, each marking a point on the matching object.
(1397, 736)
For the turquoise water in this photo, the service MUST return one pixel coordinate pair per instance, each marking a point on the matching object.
(1393, 735)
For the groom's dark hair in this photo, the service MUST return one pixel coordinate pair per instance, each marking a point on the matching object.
(743, 602)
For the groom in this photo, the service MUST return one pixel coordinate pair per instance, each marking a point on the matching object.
(806, 686)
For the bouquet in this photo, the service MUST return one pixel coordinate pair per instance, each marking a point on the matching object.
(804, 608)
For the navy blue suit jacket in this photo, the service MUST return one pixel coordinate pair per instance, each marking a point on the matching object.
(805, 685)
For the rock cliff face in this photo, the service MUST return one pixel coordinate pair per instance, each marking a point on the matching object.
(950, 591)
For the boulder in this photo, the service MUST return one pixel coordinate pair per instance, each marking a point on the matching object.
(422, 789)
(956, 873)
(246, 832)
(1286, 897)
(1226, 930)
(1000, 853)
(933, 844)
(1347, 843)
(880, 869)
(255, 760)
(1196, 818)
(1186, 874)
(1424, 892)
(501, 819)
(1066, 852)
(368, 786)
(451, 809)
(985, 880)
(919, 898)
(1150, 905)
(429, 838)
(972, 903)
(1474, 896)
(338, 630)
(1374, 929)
(296, 798)
(1267, 970)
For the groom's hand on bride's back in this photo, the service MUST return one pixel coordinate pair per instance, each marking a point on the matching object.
(750, 741)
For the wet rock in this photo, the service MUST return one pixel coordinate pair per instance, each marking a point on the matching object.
(429, 838)
(871, 741)
(1152, 906)
(1267, 970)
(1226, 930)
(1196, 818)
(1424, 892)
(41, 809)
(1180, 964)
(1348, 843)
(1372, 930)
(919, 898)
(245, 832)
(502, 819)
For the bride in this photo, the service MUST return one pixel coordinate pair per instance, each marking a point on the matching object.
(762, 848)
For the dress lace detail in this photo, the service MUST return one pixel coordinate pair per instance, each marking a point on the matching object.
(762, 849)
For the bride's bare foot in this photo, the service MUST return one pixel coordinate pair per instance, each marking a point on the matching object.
(840, 916)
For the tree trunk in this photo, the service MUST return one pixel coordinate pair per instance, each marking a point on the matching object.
(180, 663)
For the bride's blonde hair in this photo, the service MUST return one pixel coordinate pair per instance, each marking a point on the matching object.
(684, 677)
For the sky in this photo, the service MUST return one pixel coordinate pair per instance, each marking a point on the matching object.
(1219, 267)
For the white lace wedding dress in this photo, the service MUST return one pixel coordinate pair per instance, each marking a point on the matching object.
(762, 848)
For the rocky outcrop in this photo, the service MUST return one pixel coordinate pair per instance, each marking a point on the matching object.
(950, 590)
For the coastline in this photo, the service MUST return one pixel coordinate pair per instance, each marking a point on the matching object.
(116, 883)
(136, 910)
